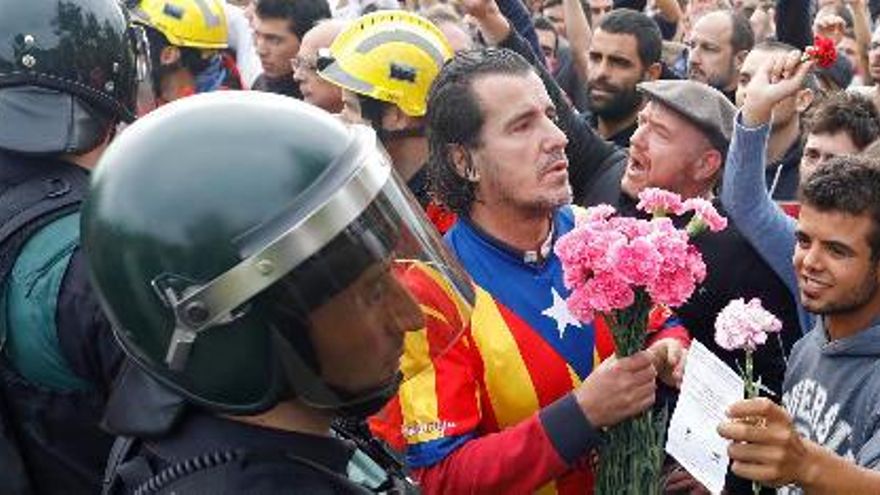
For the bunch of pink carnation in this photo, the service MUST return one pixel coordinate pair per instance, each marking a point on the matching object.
(742, 325)
(606, 258)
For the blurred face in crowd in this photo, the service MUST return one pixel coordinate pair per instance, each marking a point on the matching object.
(786, 110)
(874, 55)
(519, 158)
(669, 152)
(614, 70)
(548, 40)
(457, 35)
(837, 274)
(829, 24)
(849, 48)
(599, 8)
(317, 91)
(819, 148)
(711, 59)
(275, 45)
(698, 8)
(556, 15)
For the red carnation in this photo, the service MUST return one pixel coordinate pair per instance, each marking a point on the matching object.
(440, 216)
(823, 52)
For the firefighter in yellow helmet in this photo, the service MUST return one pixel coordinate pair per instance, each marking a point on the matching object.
(186, 40)
(385, 63)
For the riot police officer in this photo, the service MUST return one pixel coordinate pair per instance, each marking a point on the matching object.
(67, 78)
(262, 261)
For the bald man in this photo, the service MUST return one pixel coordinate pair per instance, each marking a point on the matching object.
(317, 91)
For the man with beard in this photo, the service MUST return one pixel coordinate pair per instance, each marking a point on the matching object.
(625, 51)
(719, 43)
(827, 438)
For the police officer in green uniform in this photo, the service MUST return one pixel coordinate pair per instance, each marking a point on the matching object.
(262, 261)
(67, 78)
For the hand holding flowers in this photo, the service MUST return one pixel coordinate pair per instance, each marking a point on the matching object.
(619, 268)
(745, 325)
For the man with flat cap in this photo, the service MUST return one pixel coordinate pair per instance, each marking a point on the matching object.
(680, 145)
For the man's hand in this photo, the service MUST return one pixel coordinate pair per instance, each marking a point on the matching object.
(780, 77)
(618, 389)
(668, 356)
(766, 447)
(493, 25)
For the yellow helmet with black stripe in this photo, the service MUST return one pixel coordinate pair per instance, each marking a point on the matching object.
(389, 55)
(186, 23)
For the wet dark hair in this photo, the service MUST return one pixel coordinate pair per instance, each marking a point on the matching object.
(847, 184)
(649, 39)
(455, 117)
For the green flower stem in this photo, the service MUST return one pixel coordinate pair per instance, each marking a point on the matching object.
(751, 393)
(631, 461)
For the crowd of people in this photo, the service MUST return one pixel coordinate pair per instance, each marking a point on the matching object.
(275, 246)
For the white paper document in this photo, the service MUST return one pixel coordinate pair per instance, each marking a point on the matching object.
(708, 389)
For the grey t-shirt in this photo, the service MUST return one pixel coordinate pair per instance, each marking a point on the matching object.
(832, 392)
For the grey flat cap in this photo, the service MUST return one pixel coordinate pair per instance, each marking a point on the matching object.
(699, 103)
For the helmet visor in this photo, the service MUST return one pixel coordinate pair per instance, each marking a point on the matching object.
(334, 289)
(350, 321)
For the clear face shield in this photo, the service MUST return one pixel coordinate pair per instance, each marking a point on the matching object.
(347, 290)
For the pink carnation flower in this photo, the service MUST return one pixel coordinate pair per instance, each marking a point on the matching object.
(742, 325)
(596, 213)
(601, 294)
(705, 215)
(638, 262)
(659, 202)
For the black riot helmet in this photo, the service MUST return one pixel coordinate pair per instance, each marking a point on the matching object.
(249, 248)
(67, 74)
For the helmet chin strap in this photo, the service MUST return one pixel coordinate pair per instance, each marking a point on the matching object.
(305, 383)
(368, 404)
